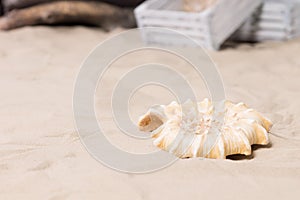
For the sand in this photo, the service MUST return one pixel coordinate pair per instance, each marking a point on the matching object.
(41, 156)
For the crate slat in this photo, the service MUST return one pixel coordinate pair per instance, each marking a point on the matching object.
(275, 20)
(210, 27)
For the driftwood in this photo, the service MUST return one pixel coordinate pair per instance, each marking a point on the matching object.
(1, 8)
(17, 4)
(70, 12)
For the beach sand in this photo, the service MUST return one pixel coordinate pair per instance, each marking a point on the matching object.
(41, 156)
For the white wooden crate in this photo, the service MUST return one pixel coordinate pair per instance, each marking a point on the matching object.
(210, 28)
(274, 20)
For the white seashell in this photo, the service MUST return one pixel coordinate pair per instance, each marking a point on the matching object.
(197, 5)
(198, 130)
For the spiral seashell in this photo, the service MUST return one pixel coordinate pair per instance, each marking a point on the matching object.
(200, 130)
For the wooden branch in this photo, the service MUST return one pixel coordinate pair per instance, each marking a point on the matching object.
(70, 12)
(17, 4)
(1, 8)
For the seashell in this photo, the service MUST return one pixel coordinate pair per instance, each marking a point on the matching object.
(197, 5)
(199, 130)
